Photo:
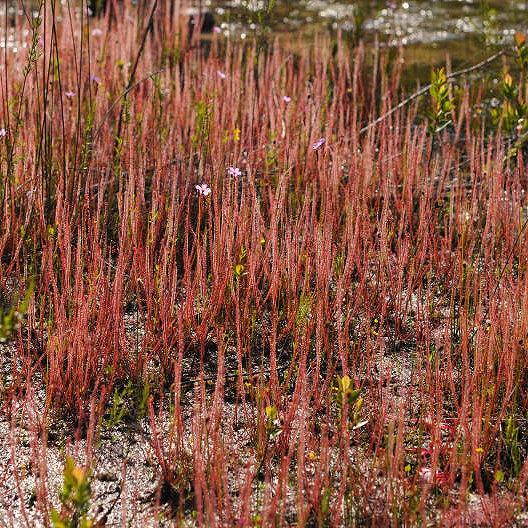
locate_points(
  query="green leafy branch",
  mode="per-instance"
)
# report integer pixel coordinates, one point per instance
(346, 396)
(75, 498)
(439, 114)
(11, 321)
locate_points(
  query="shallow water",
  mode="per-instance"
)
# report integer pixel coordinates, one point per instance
(468, 30)
(429, 30)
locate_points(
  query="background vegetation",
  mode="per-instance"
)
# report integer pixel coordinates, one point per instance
(302, 294)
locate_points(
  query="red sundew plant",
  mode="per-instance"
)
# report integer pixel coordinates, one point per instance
(309, 308)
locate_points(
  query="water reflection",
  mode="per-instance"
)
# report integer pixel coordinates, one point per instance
(461, 27)
(466, 29)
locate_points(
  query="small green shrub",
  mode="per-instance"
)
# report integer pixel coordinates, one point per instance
(75, 498)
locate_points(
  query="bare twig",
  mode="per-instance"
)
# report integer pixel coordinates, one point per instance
(124, 94)
(425, 89)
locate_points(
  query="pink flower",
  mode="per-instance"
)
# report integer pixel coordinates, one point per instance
(426, 474)
(88, 11)
(220, 74)
(286, 99)
(96, 32)
(440, 478)
(203, 189)
(69, 94)
(235, 172)
(216, 29)
(95, 79)
(3, 132)
(444, 426)
(318, 143)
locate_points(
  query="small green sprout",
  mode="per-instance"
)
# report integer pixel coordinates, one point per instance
(240, 263)
(273, 425)
(511, 439)
(514, 111)
(522, 49)
(11, 321)
(75, 498)
(346, 395)
(442, 105)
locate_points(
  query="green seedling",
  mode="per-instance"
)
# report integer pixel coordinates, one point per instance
(273, 425)
(273, 150)
(349, 397)
(240, 265)
(511, 439)
(204, 117)
(119, 406)
(75, 498)
(338, 265)
(306, 304)
(522, 49)
(11, 321)
(439, 114)
(513, 111)
(272, 430)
